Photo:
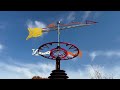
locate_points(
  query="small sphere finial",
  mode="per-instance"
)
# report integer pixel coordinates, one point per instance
(58, 22)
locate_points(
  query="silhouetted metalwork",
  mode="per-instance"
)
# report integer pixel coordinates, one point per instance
(61, 50)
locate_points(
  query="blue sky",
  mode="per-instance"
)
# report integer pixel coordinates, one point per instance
(100, 43)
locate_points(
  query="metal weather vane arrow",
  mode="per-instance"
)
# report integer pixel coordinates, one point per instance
(36, 32)
(53, 27)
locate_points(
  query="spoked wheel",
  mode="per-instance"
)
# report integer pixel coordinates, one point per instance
(65, 51)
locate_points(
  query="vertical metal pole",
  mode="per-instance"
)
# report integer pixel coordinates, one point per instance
(58, 33)
(57, 63)
(58, 58)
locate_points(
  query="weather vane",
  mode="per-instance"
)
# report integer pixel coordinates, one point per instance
(58, 51)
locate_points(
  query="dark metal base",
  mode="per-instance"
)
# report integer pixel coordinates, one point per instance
(58, 74)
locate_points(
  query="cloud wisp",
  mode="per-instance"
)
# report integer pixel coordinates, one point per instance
(95, 72)
(91, 14)
(86, 15)
(1, 46)
(94, 54)
(25, 71)
(33, 24)
(71, 17)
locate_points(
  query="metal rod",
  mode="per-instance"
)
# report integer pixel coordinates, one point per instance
(58, 33)
(58, 59)
(66, 28)
(57, 63)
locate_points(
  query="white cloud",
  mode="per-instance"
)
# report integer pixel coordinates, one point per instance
(88, 73)
(36, 23)
(40, 24)
(1, 46)
(109, 54)
(27, 71)
(106, 73)
(86, 15)
(93, 55)
(77, 74)
(19, 70)
(95, 72)
(71, 16)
